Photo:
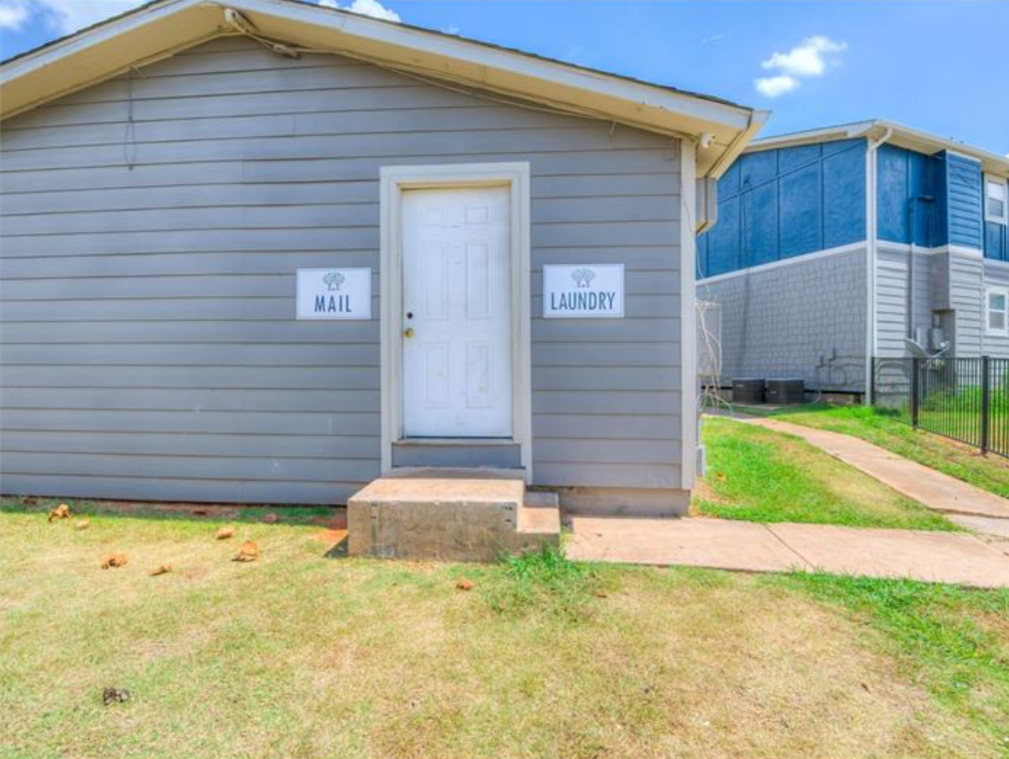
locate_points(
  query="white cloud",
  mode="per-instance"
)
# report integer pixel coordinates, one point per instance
(13, 14)
(773, 86)
(809, 59)
(67, 16)
(713, 38)
(372, 8)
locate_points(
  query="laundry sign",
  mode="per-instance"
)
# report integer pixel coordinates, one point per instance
(334, 294)
(590, 291)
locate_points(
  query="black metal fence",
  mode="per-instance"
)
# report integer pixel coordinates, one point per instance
(963, 399)
(966, 399)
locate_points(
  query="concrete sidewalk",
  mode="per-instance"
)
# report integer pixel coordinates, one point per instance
(748, 547)
(927, 486)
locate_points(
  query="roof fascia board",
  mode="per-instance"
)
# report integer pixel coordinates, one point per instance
(521, 64)
(903, 136)
(374, 31)
(738, 146)
(88, 38)
(162, 28)
(137, 39)
(812, 136)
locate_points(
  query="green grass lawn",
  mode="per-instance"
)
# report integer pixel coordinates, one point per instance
(989, 472)
(759, 475)
(299, 655)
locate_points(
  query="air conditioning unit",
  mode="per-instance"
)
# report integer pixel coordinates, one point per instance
(747, 390)
(783, 392)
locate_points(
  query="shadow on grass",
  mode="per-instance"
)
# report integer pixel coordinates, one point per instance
(849, 411)
(191, 512)
(337, 550)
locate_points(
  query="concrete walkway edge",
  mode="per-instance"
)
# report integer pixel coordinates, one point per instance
(749, 547)
(930, 488)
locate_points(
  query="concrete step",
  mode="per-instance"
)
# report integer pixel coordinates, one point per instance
(540, 514)
(451, 514)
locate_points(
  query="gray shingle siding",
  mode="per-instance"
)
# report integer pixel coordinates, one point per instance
(149, 342)
(802, 319)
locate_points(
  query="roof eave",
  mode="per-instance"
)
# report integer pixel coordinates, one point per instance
(163, 28)
(901, 135)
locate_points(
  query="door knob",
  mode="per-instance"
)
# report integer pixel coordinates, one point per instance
(408, 332)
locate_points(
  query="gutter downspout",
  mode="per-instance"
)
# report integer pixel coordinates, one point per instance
(870, 251)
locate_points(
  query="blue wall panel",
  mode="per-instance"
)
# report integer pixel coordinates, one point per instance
(996, 244)
(723, 239)
(777, 204)
(892, 193)
(839, 146)
(844, 194)
(758, 168)
(921, 170)
(760, 225)
(911, 181)
(940, 221)
(702, 256)
(728, 185)
(964, 212)
(801, 211)
(801, 155)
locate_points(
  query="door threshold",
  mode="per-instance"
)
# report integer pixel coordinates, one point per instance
(455, 473)
(456, 441)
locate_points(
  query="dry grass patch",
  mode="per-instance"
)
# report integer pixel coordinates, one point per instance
(301, 656)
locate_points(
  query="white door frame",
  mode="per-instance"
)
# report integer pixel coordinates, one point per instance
(396, 179)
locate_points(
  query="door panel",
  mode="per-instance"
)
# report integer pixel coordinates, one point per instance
(457, 363)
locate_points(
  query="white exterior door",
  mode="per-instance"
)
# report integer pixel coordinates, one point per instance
(456, 320)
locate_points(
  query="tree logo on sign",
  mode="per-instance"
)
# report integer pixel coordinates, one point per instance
(333, 280)
(583, 277)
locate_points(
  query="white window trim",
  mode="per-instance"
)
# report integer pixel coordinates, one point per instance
(395, 179)
(1004, 219)
(1004, 292)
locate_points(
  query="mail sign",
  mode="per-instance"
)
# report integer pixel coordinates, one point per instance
(334, 293)
(583, 292)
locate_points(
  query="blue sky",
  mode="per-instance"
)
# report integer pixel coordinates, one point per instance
(941, 66)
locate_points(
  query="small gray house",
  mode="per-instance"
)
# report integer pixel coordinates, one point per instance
(867, 239)
(266, 251)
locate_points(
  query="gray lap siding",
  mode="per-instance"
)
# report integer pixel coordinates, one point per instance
(149, 347)
(996, 274)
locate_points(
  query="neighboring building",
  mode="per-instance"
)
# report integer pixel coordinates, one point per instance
(819, 235)
(171, 178)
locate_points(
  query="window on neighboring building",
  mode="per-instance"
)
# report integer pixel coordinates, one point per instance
(997, 311)
(995, 200)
